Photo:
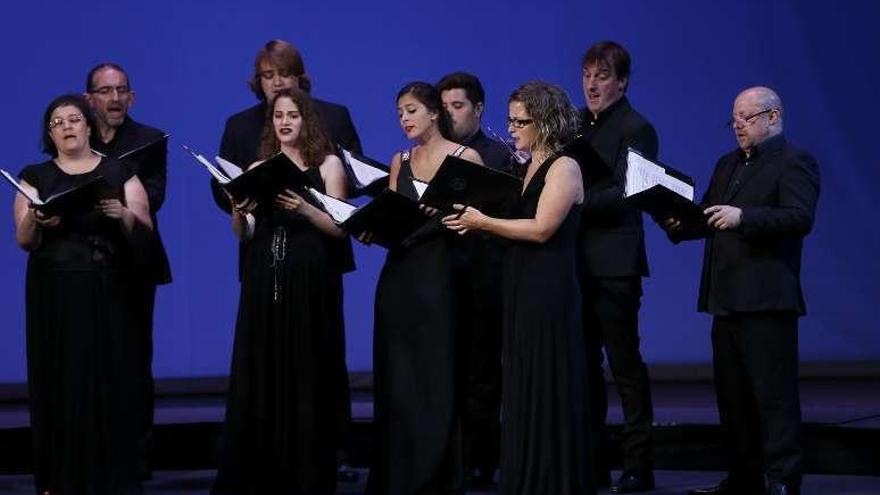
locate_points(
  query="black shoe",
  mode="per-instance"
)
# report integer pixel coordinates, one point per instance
(782, 489)
(480, 479)
(724, 488)
(346, 474)
(634, 481)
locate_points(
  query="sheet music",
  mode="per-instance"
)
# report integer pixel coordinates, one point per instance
(364, 173)
(143, 146)
(338, 209)
(642, 174)
(420, 187)
(230, 169)
(31, 197)
(217, 174)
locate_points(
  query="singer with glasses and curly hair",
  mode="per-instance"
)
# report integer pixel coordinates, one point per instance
(545, 429)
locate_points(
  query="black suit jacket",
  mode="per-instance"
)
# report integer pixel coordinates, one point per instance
(756, 267)
(612, 242)
(151, 166)
(241, 137)
(493, 153)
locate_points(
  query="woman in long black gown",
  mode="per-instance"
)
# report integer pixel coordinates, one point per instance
(288, 392)
(82, 380)
(417, 431)
(544, 434)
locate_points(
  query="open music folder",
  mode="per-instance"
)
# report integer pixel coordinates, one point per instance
(660, 190)
(76, 200)
(261, 183)
(391, 217)
(461, 181)
(143, 149)
(365, 175)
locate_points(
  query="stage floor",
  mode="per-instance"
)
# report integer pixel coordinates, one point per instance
(854, 403)
(841, 438)
(668, 483)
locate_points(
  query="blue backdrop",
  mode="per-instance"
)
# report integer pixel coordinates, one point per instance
(189, 61)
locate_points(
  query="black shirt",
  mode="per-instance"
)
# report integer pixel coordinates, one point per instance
(150, 163)
(494, 154)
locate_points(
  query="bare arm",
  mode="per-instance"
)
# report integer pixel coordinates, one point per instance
(563, 188)
(336, 185)
(471, 155)
(136, 210)
(394, 172)
(28, 221)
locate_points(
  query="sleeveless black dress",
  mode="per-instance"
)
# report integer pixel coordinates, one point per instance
(288, 387)
(418, 439)
(83, 381)
(544, 430)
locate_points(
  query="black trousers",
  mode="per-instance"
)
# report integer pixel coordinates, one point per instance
(611, 321)
(756, 383)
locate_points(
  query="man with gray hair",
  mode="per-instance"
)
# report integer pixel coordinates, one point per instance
(760, 204)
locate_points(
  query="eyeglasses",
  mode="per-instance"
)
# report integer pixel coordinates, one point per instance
(746, 121)
(107, 90)
(519, 123)
(71, 119)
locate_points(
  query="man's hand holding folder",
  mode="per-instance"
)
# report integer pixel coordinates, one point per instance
(660, 190)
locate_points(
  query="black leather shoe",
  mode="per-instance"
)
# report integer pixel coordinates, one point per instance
(634, 481)
(480, 479)
(346, 474)
(724, 488)
(782, 489)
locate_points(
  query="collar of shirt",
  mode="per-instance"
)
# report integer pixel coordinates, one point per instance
(766, 146)
(595, 121)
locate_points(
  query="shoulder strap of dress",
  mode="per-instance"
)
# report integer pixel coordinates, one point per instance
(458, 151)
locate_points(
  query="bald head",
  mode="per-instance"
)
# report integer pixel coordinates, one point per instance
(757, 116)
(763, 96)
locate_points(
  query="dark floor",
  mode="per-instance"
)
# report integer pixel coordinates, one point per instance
(851, 408)
(668, 483)
(853, 403)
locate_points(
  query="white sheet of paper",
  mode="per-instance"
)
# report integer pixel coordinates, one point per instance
(216, 173)
(338, 209)
(31, 197)
(642, 174)
(230, 169)
(364, 173)
(420, 187)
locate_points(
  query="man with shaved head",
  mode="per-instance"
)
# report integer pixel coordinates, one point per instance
(760, 204)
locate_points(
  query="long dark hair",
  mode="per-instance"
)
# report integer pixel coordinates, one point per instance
(428, 95)
(313, 144)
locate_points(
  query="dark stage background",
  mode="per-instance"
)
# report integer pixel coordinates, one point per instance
(188, 62)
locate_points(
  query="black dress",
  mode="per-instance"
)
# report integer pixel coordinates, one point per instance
(288, 386)
(418, 439)
(544, 430)
(82, 376)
